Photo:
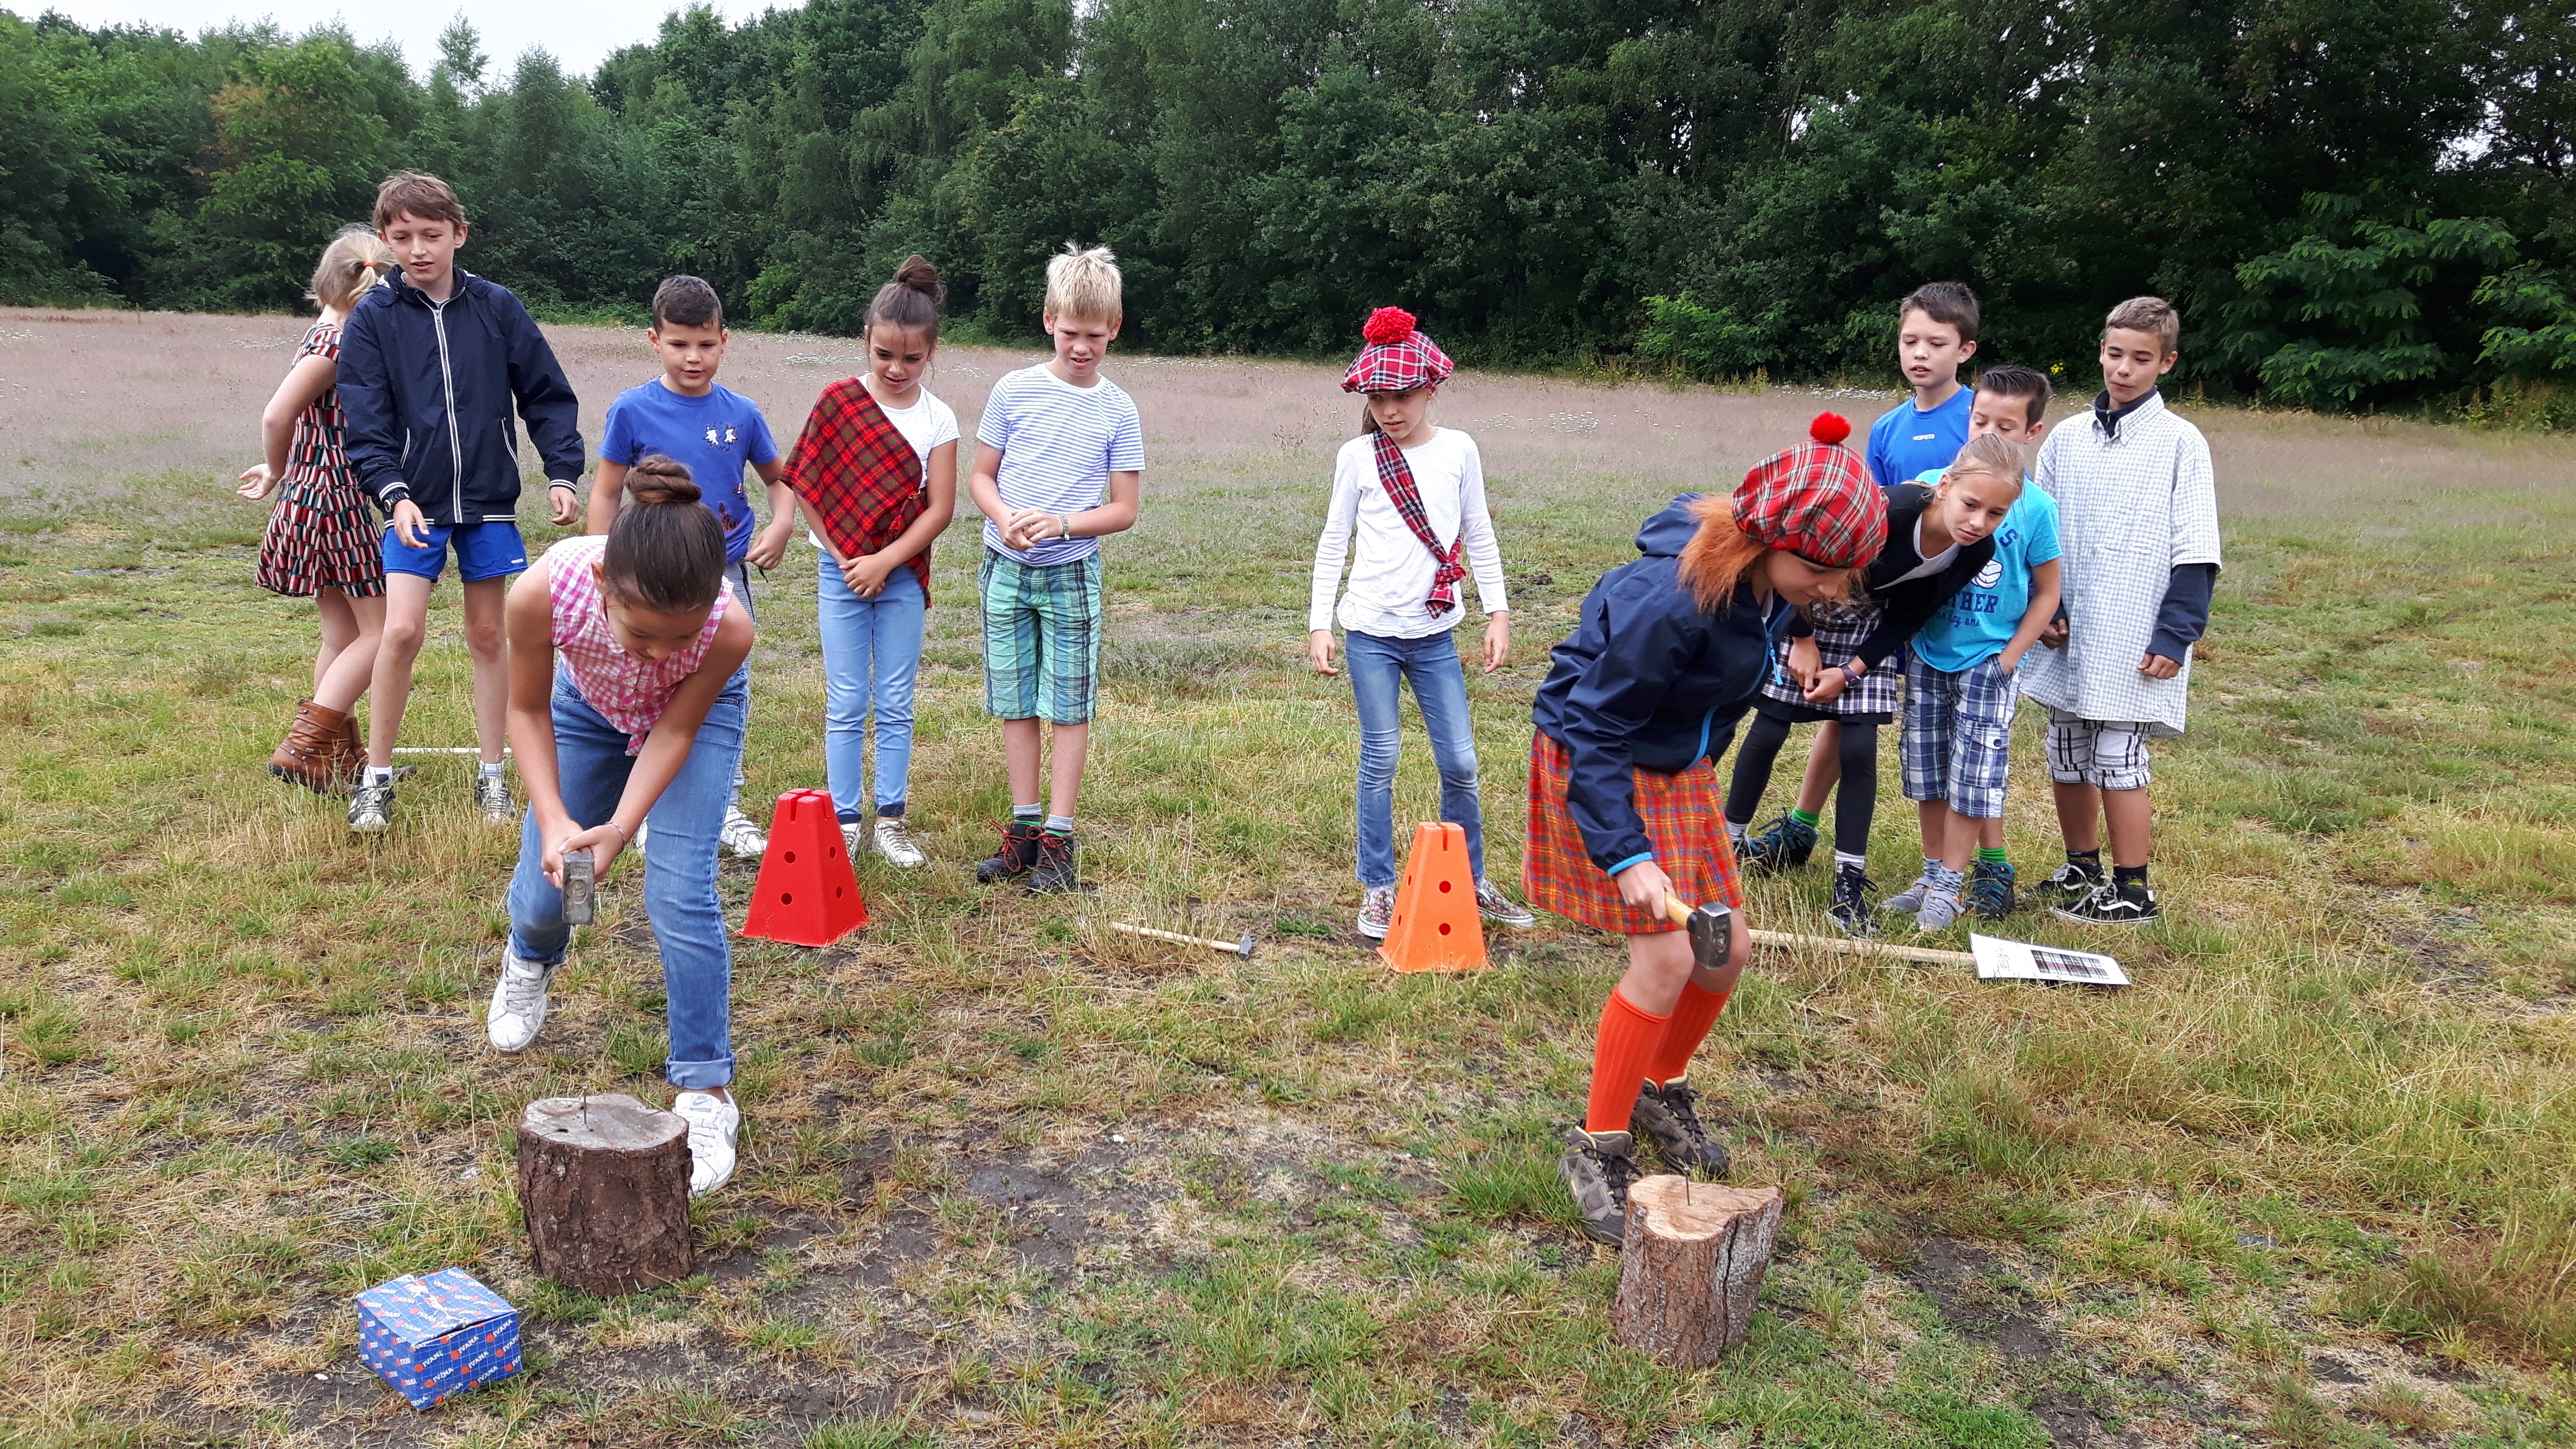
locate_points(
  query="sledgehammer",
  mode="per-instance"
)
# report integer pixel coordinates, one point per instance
(1711, 928)
(1242, 948)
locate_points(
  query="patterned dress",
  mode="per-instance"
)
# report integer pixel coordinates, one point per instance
(323, 534)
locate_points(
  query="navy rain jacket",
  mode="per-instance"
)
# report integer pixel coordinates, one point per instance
(428, 391)
(1648, 679)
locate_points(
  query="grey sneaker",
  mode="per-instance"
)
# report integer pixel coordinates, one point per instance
(894, 842)
(1597, 1168)
(1669, 1117)
(741, 836)
(1939, 912)
(1909, 900)
(1501, 909)
(371, 807)
(1377, 912)
(492, 798)
(518, 1003)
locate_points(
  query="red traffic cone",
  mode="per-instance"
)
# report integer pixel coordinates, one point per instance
(1436, 926)
(807, 895)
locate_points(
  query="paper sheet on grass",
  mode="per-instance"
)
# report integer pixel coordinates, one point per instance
(2002, 960)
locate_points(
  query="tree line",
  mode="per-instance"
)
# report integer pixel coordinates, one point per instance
(2357, 206)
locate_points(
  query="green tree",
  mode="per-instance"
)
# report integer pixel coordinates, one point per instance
(298, 150)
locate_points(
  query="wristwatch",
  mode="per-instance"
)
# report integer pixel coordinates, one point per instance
(1850, 675)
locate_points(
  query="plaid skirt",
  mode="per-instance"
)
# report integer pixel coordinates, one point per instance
(322, 536)
(1839, 634)
(1683, 821)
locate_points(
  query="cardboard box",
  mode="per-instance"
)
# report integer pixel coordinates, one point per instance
(433, 1338)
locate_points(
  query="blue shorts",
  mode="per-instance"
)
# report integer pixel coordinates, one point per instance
(1957, 742)
(483, 551)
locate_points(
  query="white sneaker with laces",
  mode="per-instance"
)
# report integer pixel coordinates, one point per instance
(518, 1003)
(740, 835)
(715, 1130)
(492, 798)
(1377, 912)
(894, 842)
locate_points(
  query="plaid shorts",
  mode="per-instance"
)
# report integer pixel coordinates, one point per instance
(1680, 811)
(1839, 632)
(2106, 754)
(1041, 638)
(1957, 742)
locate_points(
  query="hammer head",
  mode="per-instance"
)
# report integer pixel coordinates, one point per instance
(1244, 949)
(1712, 929)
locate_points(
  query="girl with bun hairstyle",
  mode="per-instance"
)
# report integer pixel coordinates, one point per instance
(627, 700)
(1623, 797)
(875, 472)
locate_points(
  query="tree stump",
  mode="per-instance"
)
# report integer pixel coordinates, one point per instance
(1690, 1266)
(604, 1187)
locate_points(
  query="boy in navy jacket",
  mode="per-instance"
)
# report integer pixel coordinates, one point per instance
(430, 367)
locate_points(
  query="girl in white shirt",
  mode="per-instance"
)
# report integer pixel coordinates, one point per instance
(1416, 495)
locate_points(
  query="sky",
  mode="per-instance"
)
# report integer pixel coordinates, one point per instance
(579, 33)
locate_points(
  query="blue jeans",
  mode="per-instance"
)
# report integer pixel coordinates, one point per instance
(740, 573)
(871, 657)
(680, 897)
(1440, 688)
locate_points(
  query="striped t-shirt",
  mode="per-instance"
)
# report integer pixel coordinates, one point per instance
(1059, 445)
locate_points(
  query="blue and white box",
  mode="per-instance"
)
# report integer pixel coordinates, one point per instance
(433, 1338)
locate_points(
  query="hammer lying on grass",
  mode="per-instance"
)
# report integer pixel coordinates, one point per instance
(1711, 925)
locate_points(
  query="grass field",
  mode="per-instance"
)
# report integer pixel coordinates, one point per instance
(1010, 1179)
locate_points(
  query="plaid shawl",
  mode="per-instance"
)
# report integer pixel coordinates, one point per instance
(858, 475)
(1407, 498)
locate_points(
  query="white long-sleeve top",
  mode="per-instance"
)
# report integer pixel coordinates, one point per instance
(1390, 588)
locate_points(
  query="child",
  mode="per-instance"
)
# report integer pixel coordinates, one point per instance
(877, 469)
(711, 430)
(1936, 330)
(1957, 747)
(1050, 437)
(1622, 798)
(321, 540)
(642, 720)
(1417, 494)
(2137, 505)
(1840, 663)
(429, 370)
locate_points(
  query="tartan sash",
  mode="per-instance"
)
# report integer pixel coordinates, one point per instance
(1397, 479)
(858, 475)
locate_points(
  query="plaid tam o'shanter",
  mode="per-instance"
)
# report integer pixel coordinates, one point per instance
(858, 474)
(1399, 357)
(1815, 500)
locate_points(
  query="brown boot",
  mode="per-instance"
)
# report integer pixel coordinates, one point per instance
(312, 753)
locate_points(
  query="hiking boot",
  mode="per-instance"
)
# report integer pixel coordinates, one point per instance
(1377, 912)
(518, 1003)
(1909, 900)
(371, 806)
(1055, 870)
(1597, 1168)
(1018, 853)
(1783, 844)
(2070, 883)
(492, 798)
(314, 752)
(715, 1138)
(1990, 889)
(894, 842)
(741, 836)
(1669, 1117)
(1501, 909)
(1850, 908)
(2114, 904)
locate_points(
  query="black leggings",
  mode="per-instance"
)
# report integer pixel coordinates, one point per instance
(1855, 801)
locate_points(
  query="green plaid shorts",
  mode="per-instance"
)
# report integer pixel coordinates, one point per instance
(1041, 638)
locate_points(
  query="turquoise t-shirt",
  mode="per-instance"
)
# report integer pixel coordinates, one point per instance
(1979, 620)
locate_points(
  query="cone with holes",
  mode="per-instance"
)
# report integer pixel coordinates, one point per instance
(1436, 927)
(807, 895)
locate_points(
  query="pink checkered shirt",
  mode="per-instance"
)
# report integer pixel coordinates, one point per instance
(628, 692)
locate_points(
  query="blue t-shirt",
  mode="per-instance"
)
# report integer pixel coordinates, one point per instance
(1904, 442)
(1979, 620)
(1059, 445)
(712, 436)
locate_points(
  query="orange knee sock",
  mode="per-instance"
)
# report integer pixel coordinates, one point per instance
(1692, 1016)
(1620, 1056)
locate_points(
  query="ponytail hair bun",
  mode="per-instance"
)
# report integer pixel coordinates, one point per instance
(912, 300)
(665, 552)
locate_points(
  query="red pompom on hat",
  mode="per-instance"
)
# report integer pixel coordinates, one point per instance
(1399, 357)
(1815, 500)
(1387, 325)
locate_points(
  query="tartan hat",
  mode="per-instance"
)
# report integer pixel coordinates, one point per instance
(1815, 500)
(1399, 357)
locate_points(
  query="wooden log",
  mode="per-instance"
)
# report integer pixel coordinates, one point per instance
(1690, 1267)
(604, 1188)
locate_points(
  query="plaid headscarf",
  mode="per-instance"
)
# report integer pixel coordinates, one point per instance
(859, 475)
(1815, 500)
(1394, 475)
(1398, 357)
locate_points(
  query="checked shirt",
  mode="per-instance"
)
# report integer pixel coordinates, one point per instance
(859, 474)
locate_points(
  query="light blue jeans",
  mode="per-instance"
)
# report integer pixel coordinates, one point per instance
(680, 897)
(1376, 666)
(740, 572)
(871, 658)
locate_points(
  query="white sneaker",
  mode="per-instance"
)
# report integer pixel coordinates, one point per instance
(715, 1126)
(740, 835)
(518, 1003)
(492, 798)
(894, 842)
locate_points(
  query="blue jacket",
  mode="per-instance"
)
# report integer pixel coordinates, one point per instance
(428, 391)
(1650, 680)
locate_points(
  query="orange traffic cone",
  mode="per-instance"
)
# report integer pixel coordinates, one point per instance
(1436, 926)
(807, 895)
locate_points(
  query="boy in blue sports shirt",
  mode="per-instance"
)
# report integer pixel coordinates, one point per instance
(431, 365)
(684, 415)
